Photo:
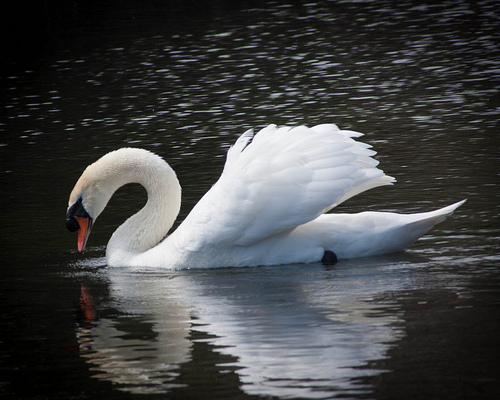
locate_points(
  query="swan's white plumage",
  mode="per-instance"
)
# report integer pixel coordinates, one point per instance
(284, 178)
(266, 208)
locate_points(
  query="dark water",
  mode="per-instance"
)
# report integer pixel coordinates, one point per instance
(420, 80)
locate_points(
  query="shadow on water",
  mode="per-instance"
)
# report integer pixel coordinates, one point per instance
(183, 80)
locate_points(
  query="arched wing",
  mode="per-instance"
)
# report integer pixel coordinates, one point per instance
(279, 179)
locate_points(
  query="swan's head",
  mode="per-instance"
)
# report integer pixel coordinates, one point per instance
(79, 220)
(90, 196)
(102, 178)
(84, 208)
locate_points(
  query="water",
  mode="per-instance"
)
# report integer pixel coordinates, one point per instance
(420, 80)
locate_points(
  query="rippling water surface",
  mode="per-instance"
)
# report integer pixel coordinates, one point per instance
(421, 80)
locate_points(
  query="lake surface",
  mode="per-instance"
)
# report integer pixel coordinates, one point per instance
(421, 80)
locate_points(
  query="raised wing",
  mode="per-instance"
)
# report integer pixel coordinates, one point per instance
(279, 179)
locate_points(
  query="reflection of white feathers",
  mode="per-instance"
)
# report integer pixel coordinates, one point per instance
(290, 333)
(306, 339)
(140, 365)
(267, 207)
(143, 347)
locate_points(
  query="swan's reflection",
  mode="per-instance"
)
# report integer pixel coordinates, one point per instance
(142, 346)
(288, 331)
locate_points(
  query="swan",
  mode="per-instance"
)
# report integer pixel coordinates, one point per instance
(267, 208)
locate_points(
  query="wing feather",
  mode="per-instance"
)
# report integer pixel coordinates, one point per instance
(279, 179)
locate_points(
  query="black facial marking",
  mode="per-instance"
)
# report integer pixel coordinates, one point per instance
(76, 210)
(71, 224)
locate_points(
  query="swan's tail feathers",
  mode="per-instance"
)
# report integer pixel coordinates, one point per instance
(441, 214)
(423, 222)
(447, 211)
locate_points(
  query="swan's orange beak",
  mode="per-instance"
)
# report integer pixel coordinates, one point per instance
(84, 231)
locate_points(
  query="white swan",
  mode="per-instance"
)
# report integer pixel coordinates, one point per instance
(267, 207)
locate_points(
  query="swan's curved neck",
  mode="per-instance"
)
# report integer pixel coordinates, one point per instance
(150, 225)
